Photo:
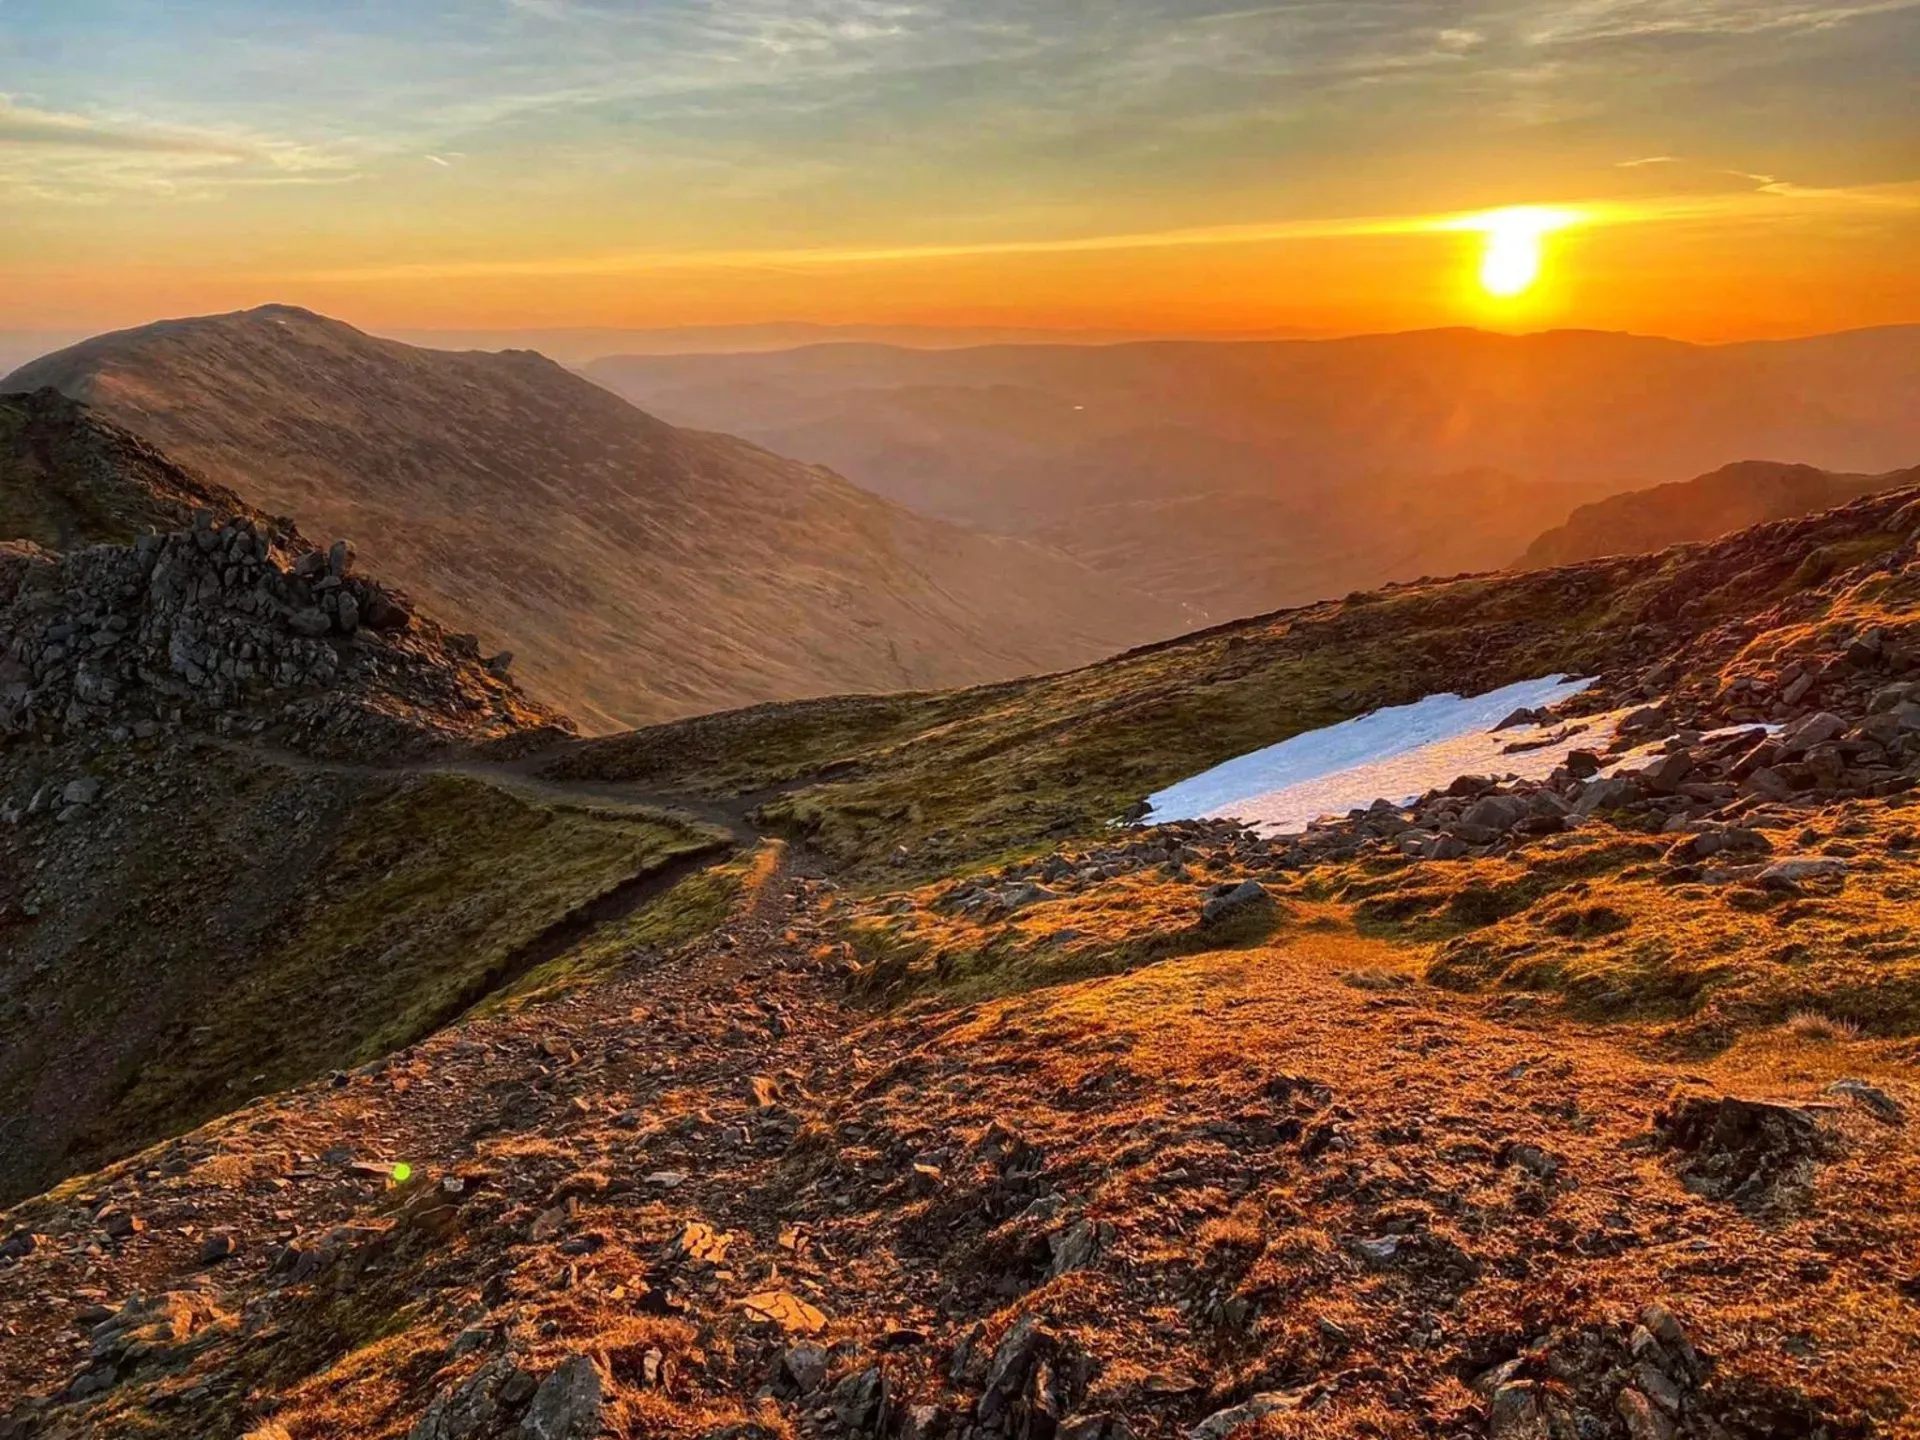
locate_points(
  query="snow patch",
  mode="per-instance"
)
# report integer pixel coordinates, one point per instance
(1395, 754)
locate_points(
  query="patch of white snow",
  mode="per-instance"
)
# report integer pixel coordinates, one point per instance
(1395, 754)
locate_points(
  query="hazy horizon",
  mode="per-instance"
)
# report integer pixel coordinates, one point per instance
(582, 344)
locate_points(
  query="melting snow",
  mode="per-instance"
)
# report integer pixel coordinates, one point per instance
(1395, 754)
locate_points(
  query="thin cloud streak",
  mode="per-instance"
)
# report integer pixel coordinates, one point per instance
(1750, 204)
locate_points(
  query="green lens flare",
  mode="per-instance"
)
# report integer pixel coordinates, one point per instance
(402, 1173)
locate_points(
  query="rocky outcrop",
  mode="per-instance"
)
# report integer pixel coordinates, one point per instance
(235, 627)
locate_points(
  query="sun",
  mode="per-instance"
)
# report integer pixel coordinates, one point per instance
(1512, 261)
(1514, 251)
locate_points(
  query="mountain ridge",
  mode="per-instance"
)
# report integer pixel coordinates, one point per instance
(1240, 476)
(1734, 497)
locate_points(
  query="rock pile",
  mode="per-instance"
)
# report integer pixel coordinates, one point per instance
(229, 626)
(1704, 788)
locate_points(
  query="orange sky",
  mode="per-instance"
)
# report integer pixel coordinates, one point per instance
(1727, 170)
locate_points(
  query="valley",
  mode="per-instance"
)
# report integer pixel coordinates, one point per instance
(1242, 476)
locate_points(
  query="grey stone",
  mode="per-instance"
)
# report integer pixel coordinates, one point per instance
(1074, 1248)
(1796, 869)
(806, 1367)
(1514, 1413)
(1230, 900)
(1497, 812)
(1871, 1098)
(1608, 794)
(569, 1403)
(1026, 1342)
(1223, 1423)
(1815, 729)
(1643, 1422)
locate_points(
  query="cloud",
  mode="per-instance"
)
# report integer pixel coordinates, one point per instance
(1596, 20)
(1646, 160)
(23, 126)
(58, 156)
(1771, 202)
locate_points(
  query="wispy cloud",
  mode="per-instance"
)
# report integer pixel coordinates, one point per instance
(1589, 20)
(23, 126)
(54, 155)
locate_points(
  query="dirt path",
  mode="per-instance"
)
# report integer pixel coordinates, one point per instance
(1220, 1176)
(521, 777)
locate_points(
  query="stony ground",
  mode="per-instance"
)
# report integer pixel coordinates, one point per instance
(1283, 1184)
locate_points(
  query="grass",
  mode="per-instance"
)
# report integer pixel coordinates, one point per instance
(909, 944)
(85, 503)
(1812, 1026)
(697, 905)
(962, 779)
(1604, 928)
(412, 916)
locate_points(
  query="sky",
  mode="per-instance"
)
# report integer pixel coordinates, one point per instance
(1712, 169)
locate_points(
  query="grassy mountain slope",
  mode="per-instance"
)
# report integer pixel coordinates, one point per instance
(195, 902)
(67, 482)
(637, 570)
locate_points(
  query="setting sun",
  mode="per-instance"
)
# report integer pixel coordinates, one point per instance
(1511, 261)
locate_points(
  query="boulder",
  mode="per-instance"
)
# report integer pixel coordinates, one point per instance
(1229, 901)
(1223, 1423)
(1815, 729)
(570, 1403)
(1497, 813)
(1795, 870)
(312, 622)
(1612, 793)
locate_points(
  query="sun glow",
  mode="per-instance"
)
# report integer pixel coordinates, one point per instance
(1511, 261)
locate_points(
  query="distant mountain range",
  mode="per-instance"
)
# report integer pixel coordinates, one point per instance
(1013, 508)
(580, 344)
(640, 571)
(1240, 476)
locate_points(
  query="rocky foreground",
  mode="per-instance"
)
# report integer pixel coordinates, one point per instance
(1286, 1186)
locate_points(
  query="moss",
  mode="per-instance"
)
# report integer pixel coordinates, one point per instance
(1011, 769)
(1829, 560)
